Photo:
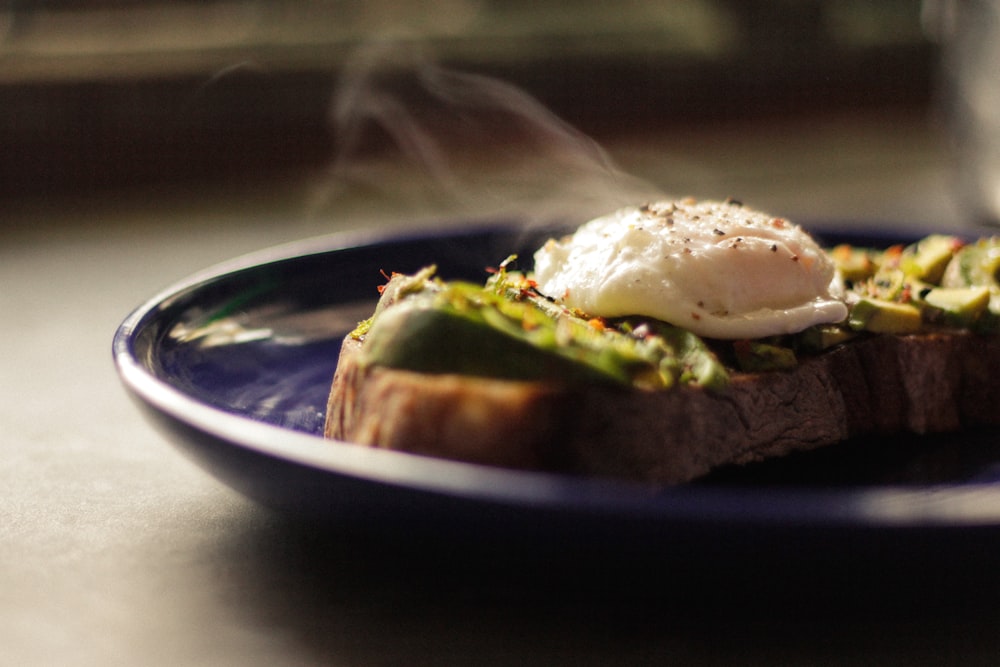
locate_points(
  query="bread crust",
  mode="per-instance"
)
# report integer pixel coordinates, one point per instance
(880, 384)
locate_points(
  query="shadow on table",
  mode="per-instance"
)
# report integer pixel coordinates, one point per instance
(413, 595)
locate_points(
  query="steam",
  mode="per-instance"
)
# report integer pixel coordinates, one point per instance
(464, 142)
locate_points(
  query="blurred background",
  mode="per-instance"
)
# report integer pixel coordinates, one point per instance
(814, 108)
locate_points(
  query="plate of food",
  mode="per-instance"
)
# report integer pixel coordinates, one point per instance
(675, 375)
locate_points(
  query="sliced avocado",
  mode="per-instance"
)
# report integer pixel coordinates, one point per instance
(413, 336)
(926, 259)
(955, 306)
(881, 316)
(824, 336)
(975, 264)
(887, 284)
(893, 284)
(756, 356)
(506, 333)
(855, 264)
(688, 358)
(978, 265)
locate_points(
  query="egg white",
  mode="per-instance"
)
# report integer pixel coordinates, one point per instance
(718, 269)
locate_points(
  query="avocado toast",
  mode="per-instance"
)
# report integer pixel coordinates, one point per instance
(501, 373)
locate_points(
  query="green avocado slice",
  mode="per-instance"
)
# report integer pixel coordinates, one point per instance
(413, 336)
(927, 259)
(978, 265)
(505, 331)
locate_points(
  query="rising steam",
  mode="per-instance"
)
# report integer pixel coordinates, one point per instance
(465, 143)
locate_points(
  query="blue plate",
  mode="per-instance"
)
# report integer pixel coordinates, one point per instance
(234, 365)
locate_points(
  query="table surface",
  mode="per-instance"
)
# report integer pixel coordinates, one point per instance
(116, 550)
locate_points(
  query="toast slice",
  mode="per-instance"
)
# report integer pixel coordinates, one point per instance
(885, 384)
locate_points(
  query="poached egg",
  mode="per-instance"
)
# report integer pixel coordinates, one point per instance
(717, 269)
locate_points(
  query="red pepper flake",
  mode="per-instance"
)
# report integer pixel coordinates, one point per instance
(795, 258)
(387, 276)
(695, 316)
(597, 323)
(778, 223)
(892, 255)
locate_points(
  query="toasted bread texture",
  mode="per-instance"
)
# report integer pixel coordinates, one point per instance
(879, 384)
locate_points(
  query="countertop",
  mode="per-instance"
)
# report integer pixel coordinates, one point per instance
(116, 550)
